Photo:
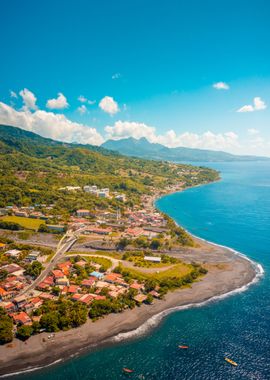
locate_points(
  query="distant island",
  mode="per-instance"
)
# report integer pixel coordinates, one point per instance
(85, 254)
(144, 149)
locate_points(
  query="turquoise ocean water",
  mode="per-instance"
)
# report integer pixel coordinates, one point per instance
(234, 212)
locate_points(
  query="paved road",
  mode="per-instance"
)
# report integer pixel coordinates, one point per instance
(63, 246)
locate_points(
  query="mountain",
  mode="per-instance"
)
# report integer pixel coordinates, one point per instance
(144, 149)
(34, 168)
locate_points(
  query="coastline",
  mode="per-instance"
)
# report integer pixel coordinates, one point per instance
(228, 272)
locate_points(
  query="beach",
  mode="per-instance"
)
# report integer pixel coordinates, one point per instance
(227, 271)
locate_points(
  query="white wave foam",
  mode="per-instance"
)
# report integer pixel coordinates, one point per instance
(156, 319)
(30, 369)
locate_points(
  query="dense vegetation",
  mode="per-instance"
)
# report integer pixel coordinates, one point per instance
(32, 169)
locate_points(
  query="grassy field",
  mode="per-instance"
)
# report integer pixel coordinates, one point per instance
(178, 270)
(31, 224)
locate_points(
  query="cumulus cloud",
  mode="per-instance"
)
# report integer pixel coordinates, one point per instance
(29, 99)
(221, 86)
(49, 124)
(253, 132)
(207, 140)
(82, 109)
(258, 105)
(109, 105)
(116, 76)
(13, 94)
(83, 99)
(57, 104)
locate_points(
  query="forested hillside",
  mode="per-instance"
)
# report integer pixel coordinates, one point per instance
(32, 169)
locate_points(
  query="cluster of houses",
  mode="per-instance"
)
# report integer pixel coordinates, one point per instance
(13, 279)
(94, 190)
(27, 211)
(97, 286)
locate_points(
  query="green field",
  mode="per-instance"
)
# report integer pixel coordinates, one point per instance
(178, 271)
(31, 224)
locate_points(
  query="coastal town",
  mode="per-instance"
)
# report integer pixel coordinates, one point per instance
(94, 275)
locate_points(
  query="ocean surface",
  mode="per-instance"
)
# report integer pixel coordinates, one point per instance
(234, 212)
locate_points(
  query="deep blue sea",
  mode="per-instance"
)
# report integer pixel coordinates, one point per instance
(233, 212)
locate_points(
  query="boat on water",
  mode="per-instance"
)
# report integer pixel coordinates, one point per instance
(183, 347)
(127, 370)
(231, 362)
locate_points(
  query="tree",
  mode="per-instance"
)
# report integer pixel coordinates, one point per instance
(34, 269)
(3, 274)
(149, 299)
(122, 244)
(24, 332)
(155, 244)
(6, 327)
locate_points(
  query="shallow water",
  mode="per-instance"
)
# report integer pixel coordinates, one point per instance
(234, 212)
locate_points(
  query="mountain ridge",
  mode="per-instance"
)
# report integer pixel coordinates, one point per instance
(144, 149)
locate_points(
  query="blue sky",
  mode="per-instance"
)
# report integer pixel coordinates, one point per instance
(142, 68)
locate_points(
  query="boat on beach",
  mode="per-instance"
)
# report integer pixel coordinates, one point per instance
(230, 361)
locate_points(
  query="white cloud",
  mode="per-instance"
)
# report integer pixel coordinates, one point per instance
(83, 99)
(221, 86)
(82, 109)
(29, 99)
(109, 105)
(59, 103)
(13, 94)
(208, 140)
(116, 76)
(253, 132)
(49, 124)
(258, 105)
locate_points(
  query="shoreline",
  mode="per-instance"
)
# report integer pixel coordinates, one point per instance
(229, 272)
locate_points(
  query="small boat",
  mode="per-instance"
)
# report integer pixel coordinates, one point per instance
(127, 370)
(183, 347)
(231, 362)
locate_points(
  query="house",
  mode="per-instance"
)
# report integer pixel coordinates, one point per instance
(86, 298)
(13, 253)
(19, 301)
(23, 214)
(137, 286)
(56, 227)
(72, 289)
(12, 268)
(21, 318)
(42, 286)
(8, 306)
(140, 298)
(3, 294)
(154, 293)
(83, 213)
(62, 281)
(49, 280)
(57, 274)
(121, 197)
(88, 283)
(98, 275)
(33, 256)
(134, 232)
(153, 259)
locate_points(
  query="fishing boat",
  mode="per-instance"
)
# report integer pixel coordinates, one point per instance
(183, 347)
(127, 370)
(231, 362)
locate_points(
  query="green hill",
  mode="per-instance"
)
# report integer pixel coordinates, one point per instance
(33, 168)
